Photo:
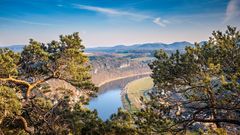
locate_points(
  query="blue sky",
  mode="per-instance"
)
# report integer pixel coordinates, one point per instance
(115, 22)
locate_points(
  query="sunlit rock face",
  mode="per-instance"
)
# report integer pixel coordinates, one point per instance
(111, 67)
(56, 89)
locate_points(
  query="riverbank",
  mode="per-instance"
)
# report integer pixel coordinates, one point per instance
(133, 91)
(123, 77)
(109, 97)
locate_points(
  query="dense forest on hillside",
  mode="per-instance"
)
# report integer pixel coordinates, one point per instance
(196, 91)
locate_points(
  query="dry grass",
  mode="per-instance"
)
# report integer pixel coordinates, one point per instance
(134, 90)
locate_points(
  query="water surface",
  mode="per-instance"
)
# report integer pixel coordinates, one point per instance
(107, 103)
(109, 97)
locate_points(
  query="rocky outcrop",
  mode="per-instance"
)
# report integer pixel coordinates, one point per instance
(106, 69)
(55, 89)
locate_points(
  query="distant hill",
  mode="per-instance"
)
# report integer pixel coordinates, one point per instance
(15, 48)
(142, 47)
(137, 48)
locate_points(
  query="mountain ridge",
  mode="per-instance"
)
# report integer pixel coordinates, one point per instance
(15, 48)
(142, 47)
(180, 45)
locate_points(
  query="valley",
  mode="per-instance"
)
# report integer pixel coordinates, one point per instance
(121, 73)
(118, 62)
(121, 61)
(122, 67)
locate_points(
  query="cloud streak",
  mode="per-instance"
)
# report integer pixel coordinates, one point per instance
(114, 12)
(160, 22)
(233, 10)
(25, 21)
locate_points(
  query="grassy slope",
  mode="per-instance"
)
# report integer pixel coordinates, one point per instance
(134, 90)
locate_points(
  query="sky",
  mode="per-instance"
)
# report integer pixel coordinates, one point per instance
(115, 22)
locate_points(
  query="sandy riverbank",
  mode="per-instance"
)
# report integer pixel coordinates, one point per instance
(118, 78)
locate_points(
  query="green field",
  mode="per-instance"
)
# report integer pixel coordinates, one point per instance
(134, 90)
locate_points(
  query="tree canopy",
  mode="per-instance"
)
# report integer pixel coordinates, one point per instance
(194, 91)
(197, 89)
(23, 77)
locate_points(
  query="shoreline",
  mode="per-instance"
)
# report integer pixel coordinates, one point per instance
(127, 100)
(119, 78)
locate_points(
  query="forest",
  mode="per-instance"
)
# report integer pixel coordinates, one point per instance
(196, 91)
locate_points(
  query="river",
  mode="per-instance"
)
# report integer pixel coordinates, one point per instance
(109, 97)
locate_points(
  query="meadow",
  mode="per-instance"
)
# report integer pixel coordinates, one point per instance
(134, 90)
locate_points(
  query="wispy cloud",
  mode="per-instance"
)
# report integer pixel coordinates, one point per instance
(113, 12)
(160, 22)
(233, 10)
(25, 21)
